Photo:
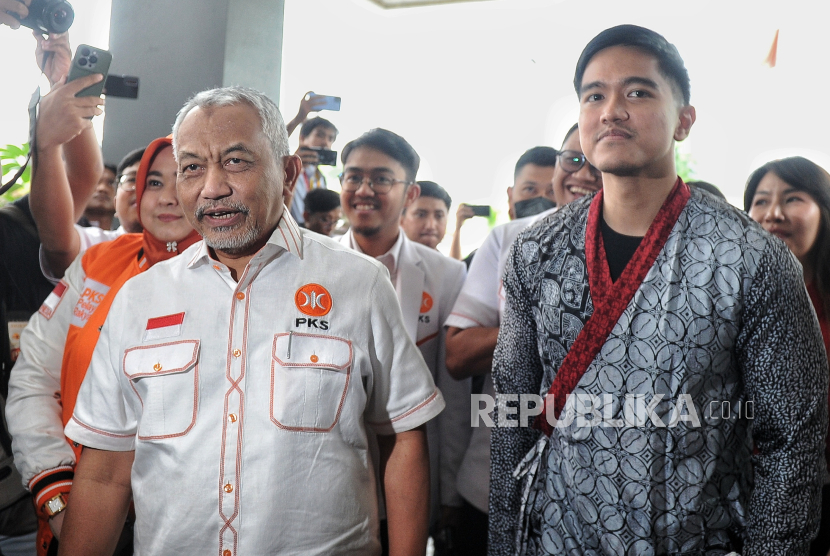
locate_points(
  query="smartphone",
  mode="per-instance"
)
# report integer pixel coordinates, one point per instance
(89, 60)
(480, 210)
(124, 86)
(331, 103)
(326, 157)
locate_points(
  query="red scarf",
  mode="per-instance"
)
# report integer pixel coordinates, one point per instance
(609, 298)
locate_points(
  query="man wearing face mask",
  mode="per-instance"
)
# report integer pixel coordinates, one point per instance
(531, 180)
(473, 327)
(531, 192)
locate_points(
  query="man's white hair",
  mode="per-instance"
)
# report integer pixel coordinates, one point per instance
(269, 115)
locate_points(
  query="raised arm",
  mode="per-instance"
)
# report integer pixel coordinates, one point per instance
(463, 213)
(307, 105)
(64, 129)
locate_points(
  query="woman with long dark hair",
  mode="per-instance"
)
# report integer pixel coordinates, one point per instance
(790, 198)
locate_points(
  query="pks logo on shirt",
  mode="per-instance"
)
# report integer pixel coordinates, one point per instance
(93, 295)
(167, 326)
(313, 300)
(53, 300)
(426, 302)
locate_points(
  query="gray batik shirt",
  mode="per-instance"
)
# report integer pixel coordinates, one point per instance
(721, 319)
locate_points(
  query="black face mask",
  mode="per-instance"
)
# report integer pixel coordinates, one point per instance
(532, 207)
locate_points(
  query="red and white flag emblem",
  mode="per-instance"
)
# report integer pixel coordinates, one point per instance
(53, 300)
(164, 327)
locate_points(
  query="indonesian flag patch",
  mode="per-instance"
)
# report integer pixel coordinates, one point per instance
(163, 327)
(53, 300)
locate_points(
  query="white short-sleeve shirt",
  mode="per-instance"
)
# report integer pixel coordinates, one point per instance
(247, 404)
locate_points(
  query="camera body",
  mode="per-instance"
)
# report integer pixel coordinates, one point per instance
(49, 16)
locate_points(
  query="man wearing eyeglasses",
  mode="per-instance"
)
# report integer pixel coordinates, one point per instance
(378, 182)
(473, 327)
(125, 201)
(683, 368)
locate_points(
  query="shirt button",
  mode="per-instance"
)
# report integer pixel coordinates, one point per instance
(240, 296)
(237, 352)
(228, 488)
(232, 417)
(226, 552)
(217, 267)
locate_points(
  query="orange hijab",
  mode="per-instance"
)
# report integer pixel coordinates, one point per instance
(113, 263)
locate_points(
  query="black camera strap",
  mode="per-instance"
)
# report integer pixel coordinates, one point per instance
(33, 102)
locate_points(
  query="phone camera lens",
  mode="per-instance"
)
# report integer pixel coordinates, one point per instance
(82, 62)
(85, 52)
(93, 59)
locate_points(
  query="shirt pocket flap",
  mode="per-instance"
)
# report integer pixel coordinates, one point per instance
(161, 359)
(311, 350)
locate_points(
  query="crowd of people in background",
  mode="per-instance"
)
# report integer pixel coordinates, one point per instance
(364, 365)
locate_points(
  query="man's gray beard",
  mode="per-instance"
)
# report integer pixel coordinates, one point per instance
(236, 243)
(230, 244)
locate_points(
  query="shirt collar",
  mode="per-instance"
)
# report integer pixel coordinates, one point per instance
(286, 237)
(390, 258)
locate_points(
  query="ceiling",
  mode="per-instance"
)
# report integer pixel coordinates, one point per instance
(387, 4)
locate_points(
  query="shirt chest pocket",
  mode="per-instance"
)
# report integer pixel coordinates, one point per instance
(309, 380)
(166, 379)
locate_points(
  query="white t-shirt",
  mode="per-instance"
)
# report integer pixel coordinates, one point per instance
(248, 404)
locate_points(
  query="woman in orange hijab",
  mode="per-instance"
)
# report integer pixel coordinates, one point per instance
(76, 309)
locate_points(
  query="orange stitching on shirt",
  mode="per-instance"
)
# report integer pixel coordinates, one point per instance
(425, 340)
(410, 412)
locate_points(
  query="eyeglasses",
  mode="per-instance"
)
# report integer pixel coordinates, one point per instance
(380, 184)
(572, 161)
(126, 182)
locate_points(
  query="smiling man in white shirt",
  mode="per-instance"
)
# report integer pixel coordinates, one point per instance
(378, 182)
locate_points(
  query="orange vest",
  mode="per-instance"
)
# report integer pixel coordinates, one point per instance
(111, 263)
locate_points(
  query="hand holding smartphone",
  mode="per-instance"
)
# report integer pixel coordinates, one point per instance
(87, 61)
(326, 157)
(325, 102)
(480, 210)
